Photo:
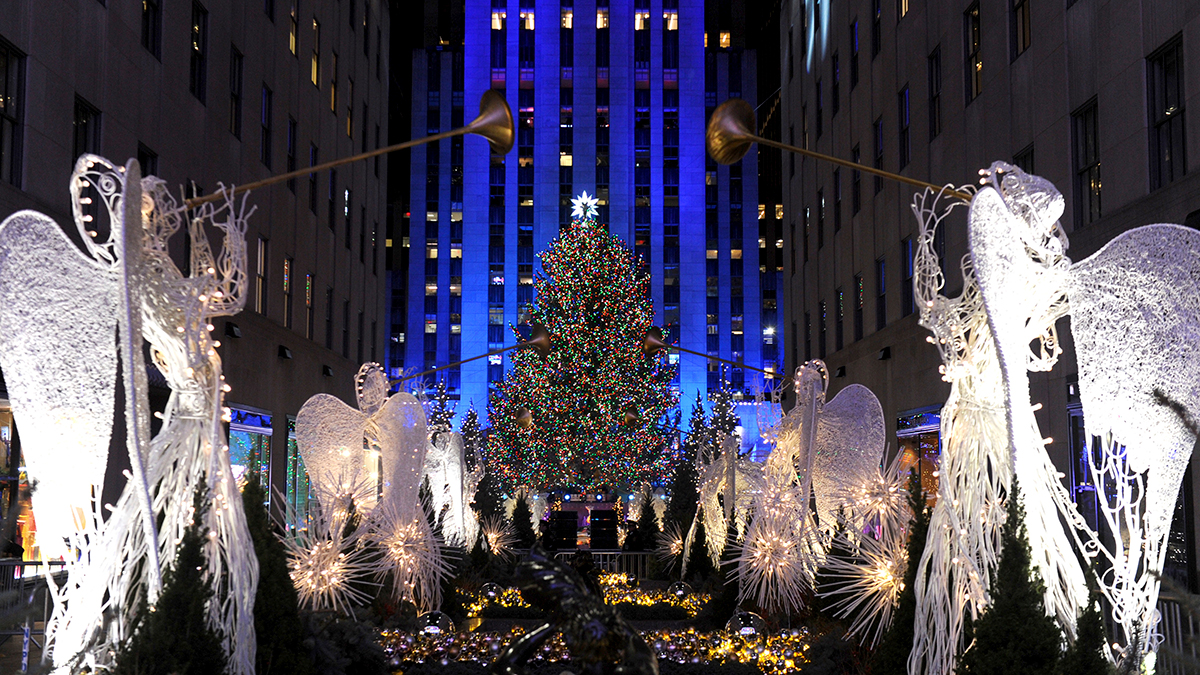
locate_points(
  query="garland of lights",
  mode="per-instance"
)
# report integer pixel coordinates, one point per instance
(593, 298)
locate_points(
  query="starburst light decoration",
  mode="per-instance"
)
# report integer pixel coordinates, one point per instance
(328, 562)
(583, 207)
(865, 588)
(499, 537)
(61, 307)
(669, 546)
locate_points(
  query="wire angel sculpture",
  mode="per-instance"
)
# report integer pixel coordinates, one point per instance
(453, 486)
(726, 485)
(384, 440)
(823, 449)
(62, 306)
(1135, 318)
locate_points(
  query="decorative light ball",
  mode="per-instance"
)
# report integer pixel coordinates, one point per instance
(437, 623)
(679, 589)
(491, 591)
(746, 623)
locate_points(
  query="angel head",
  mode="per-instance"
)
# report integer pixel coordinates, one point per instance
(1034, 201)
(811, 376)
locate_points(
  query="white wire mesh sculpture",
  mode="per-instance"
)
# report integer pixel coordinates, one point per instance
(975, 472)
(445, 468)
(823, 449)
(385, 440)
(128, 282)
(1135, 319)
(725, 492)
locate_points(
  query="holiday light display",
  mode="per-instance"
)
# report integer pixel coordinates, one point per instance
(499, 537)
(1134, 308)
(61, 309)
(452, 487)
(596, 398)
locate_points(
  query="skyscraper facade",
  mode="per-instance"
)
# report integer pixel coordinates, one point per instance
(610, 98)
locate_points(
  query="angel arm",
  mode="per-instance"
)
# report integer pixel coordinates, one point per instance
(227, 272)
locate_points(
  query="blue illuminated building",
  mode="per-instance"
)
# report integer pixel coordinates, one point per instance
(611, 98)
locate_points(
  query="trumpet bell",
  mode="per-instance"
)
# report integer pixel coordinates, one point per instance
(524, 418)
(539, 340)
(654, 341)
(730, 131)
(495, 122)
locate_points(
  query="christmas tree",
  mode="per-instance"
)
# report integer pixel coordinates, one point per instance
(891, 657)
(472, 435)
(1014, 635)
(596, 399)
(724, 420)
(439, 408)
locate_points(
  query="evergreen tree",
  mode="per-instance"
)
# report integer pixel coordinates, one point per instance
(699, 565)
(724, 420)
(645, 531)
(277, 625)
(472, 435)
(488, 500)
(699, 434)
(724, 580)
(681, 508)
(1014, 635)
(523, 523)
(891, 657)
(175, 638)
(596, 399)
(440, 407)
(1086, 655)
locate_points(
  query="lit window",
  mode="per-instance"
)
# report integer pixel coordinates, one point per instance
(762, 211)
(431, 216)
(671, 20)
(431, 252)
(456, 251)
(641, 20)
(568, 18)
(456, 216)
(779, 212)
(602, 17)
(706, 40)
(498, 20)
(565, 159)
(735, 254)
(724, 39)
(430, 289)
(527, 20)
(712, 254)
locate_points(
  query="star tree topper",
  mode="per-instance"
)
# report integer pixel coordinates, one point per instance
(584, 206)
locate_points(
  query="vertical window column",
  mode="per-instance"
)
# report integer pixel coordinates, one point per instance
(12, 106)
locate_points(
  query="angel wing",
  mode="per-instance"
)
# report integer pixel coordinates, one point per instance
(58, 320)
(849, 447)
(330, 436)
(444, 467)
(1135, 316)
(402, 442)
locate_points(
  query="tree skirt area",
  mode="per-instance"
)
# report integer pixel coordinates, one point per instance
(679, 653)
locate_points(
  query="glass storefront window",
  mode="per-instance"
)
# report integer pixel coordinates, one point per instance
(299, 489)
(250, 446)
(919, 439)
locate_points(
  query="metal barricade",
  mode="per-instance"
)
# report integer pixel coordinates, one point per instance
(24, 583)
(633, 563)
(1180, 631)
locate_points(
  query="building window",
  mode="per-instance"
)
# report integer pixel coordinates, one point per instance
(974, 50)
(346, 214)
(880, 295)
(12, 104)
(333, 80)
(876, 27)
(294, 28)
(308, 306)
(820, 110)
(901, 9)
(269, 9)
(198, 73)
(291, 152)
(1019, 21)
(87, 129)
(837, 199)
(820, 219)
(1023, 160)
(235, 92)
(906, 284)
(287, 292)
(838, 322)
(1087, 164)
(152, 27)
(904, 148)
(332, 197)
(350, 108)
(878, 152)
(792, 155)
(148, 160)
(855, 182)
(1164, 80)
(853, 54)
(807, 336)
(934, 66)
(315, 74)
(359, 351)
(250, 445)
(260, 278)
(837, 81)
(724, 40)
(859, 301)
(329, 317)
